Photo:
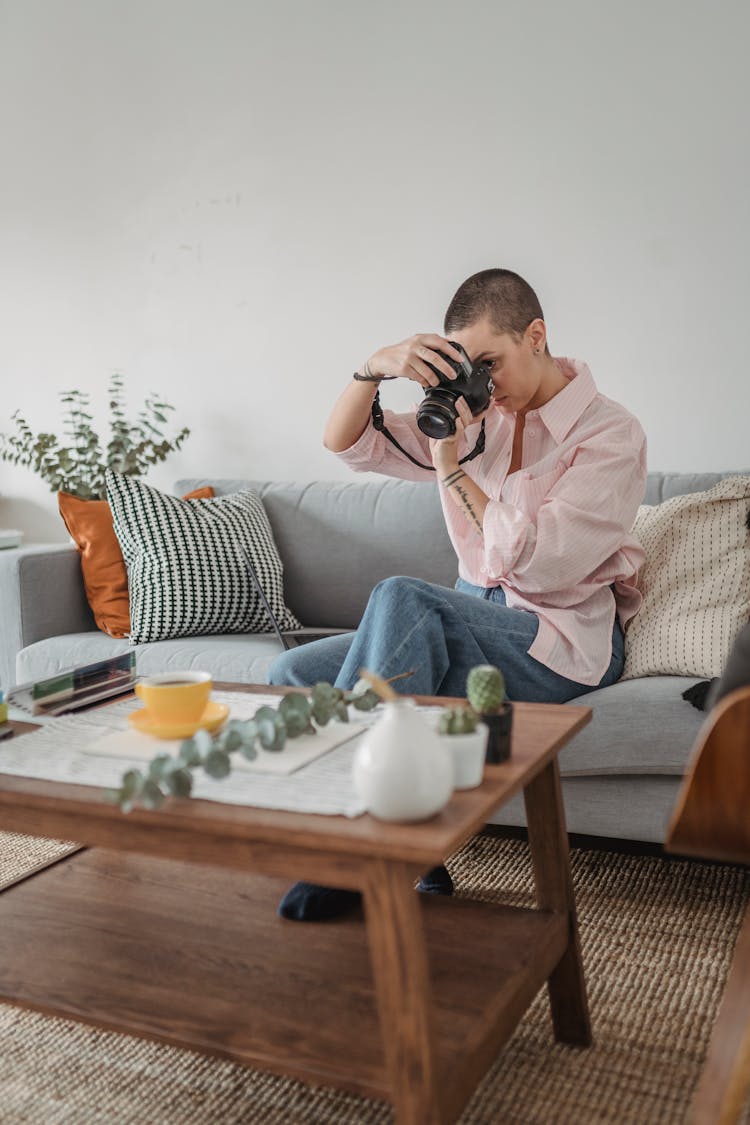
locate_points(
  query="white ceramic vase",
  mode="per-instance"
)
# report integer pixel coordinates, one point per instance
(402, 769)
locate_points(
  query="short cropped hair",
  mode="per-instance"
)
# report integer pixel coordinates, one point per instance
(504, 298)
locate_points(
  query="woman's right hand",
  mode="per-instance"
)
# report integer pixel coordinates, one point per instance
(409, 359)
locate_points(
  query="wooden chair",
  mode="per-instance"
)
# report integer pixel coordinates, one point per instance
(712, 820)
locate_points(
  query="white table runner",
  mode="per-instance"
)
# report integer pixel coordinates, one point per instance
(64, 749)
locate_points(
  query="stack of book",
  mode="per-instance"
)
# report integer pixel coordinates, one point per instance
(76, 687)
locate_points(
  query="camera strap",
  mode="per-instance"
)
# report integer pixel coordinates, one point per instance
(378, 422)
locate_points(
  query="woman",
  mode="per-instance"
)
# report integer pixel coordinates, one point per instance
(540, 521)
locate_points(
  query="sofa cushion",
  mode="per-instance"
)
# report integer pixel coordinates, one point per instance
(105, 577)
(187, 574)
(695, 582)
(638, 727)
(234, 657)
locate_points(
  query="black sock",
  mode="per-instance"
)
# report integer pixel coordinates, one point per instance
(307, 902)
(436, 882)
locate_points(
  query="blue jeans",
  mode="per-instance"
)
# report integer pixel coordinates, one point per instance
(438, 635)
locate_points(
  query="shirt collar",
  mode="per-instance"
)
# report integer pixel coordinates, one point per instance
(564, 409)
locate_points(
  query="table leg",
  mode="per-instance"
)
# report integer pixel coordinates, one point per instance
(724, 1083)
(397, 949)
(548, 840)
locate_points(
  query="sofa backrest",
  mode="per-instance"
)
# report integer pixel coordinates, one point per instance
(663, 486)
(338, 539)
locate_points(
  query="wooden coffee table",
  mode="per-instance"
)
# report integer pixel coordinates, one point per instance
(165, 926)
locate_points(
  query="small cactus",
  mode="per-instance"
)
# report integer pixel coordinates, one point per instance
(485, 688)
(458, 720)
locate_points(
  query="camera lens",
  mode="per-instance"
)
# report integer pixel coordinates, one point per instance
(436, 420)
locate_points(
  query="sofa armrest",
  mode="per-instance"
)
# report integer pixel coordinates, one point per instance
(41, 595)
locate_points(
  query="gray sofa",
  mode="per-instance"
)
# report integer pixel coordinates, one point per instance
(337, 540)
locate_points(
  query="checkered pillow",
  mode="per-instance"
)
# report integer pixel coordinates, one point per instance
(186, 572)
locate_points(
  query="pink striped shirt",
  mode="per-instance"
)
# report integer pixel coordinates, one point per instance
(556, 532)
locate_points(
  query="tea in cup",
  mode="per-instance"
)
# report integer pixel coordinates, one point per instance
(175, 696)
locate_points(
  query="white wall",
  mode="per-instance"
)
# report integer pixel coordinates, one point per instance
(234, 203)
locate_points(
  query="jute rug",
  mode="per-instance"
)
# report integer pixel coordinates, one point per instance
(657, 940)
(20, 856)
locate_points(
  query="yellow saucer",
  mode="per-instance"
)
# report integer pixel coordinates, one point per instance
(211, 719)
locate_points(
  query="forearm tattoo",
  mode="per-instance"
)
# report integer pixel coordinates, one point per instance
(453, 480)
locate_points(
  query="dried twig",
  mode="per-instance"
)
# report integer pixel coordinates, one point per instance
(380, 686)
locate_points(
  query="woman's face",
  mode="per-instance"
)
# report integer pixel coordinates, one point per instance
(516, 372)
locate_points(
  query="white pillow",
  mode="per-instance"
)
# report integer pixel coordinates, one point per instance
(187, 575)
(695, 582)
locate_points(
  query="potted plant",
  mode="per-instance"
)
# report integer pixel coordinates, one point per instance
(466, 739)
(77, 462)
(485, 689)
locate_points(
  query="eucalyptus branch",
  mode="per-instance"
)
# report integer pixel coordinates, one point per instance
(78, 466)
(172, 775)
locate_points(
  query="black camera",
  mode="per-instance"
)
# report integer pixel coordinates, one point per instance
(436, 415)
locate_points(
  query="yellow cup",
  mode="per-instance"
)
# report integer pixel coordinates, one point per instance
(175, 696)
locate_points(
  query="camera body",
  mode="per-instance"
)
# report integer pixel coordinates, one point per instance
(437, 414)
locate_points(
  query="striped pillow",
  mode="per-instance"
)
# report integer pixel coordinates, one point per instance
(695, 582)
(186, 572)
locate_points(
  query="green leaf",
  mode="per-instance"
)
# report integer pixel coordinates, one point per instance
(295, 710)
(160, 766)
(151, 795)
(341, 712)
(217, 764)
(265, 712)
(272, 734)
(366, 701)
(249, 731)
(229, 741)
(322, 712)
(325, 693)
(266, 731)
(132, 783)
(180, 782)
(189, 754)
(203, 741)
(324, 698)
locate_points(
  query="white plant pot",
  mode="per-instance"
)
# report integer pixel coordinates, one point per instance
(467, 754)
(402, 769)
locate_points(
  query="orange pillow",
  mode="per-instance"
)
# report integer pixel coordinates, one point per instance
(105, 577)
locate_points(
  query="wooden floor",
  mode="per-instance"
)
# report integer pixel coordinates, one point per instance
(197, 957)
